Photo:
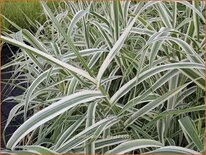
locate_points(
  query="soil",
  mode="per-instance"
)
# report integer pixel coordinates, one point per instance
(6, 91)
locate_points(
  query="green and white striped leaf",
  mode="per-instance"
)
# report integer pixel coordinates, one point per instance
(51, 112)
(150, 106)
(173, 150)
(38, 149)
(132, 145)
(48, 57)
(189, 129)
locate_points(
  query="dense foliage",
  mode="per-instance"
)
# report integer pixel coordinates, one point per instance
(110, 77)
(25, 13)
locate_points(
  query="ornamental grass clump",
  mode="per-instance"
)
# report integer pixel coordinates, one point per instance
(110, 78)
(24, 14)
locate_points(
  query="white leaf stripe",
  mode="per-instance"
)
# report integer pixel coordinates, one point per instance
(69, 132)
(150, 106)
(85, 134)
(134, 145)
(146, 74)
(119, 43)
(75, 19)
(48, 57)
(173, 150)
(39, 149)
(187, 125)
(50, 112)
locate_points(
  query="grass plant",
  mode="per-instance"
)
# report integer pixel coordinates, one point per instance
(110, 78)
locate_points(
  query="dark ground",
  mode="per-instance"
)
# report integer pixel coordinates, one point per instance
(6, 56)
